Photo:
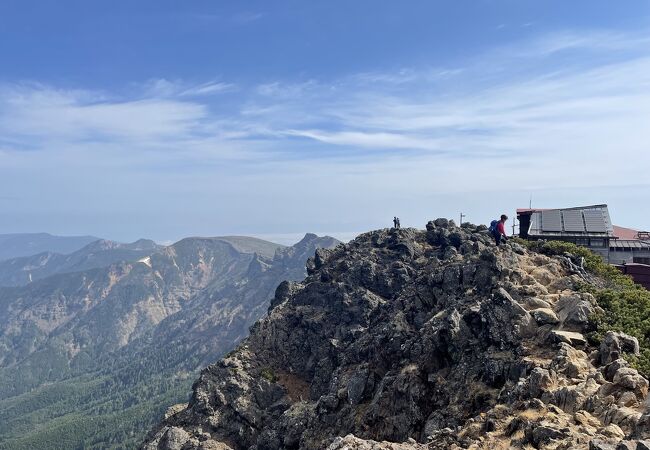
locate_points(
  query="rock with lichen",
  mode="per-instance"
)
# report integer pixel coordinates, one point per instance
(409, 339)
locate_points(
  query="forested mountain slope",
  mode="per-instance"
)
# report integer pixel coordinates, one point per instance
(90, 359)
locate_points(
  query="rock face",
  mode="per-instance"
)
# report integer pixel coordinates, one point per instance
(408, 339)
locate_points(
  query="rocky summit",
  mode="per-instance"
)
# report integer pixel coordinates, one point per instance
(408, 339)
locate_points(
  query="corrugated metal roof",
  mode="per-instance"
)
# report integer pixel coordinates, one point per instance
(573, 220)
(552, 220)
(595, 220)
(629, 243)
(525, 210)
(580, 221)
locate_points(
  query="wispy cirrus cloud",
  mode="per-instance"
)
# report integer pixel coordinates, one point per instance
(41, 113)
(469, 113)
(373, 140)
(551, 43)
(525, 115)
(449, 113)
(162, 87)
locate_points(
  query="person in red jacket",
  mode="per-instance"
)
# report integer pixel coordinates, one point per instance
(501, 230)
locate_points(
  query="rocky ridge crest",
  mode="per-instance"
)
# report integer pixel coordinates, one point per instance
(409, 339)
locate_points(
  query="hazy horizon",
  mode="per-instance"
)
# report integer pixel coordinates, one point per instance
(283, 238)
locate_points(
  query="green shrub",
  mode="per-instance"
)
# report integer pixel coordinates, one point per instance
(268, 374)
(626, 305)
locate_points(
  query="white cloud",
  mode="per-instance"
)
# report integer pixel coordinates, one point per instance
(208, 89)
(526, 115)
(161, 87)
(288, 91)
(591, 40)
(376, 140)
(53, 114)
(344, 151)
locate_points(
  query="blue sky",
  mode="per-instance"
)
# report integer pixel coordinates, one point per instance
(165, 119)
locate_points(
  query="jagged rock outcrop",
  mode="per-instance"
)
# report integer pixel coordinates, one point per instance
(431, 339)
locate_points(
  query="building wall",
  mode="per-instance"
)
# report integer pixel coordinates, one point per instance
(616, 256)
(639, 273)
(603, 252)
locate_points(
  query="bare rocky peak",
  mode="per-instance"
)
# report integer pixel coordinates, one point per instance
(290, 257)
(239, 244)
(431, 339)
(246, 244)
(105, 244)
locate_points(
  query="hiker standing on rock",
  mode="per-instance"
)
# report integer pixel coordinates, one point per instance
(498, 229)
(396, 223)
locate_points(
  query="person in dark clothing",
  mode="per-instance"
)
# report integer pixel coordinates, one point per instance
(395, 222)
(500, 234)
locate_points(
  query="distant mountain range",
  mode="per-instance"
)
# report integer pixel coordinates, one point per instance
(26, 244)
(100, 253)
(103, 340)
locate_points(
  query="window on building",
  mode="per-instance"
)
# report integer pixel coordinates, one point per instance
(582, 241)
(597, 242)
(641, 260)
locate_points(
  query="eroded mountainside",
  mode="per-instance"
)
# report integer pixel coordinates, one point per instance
(90, 359)
(431, 339)
(100, 253)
